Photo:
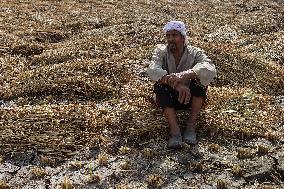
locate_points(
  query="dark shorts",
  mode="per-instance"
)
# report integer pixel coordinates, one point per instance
(166, 96)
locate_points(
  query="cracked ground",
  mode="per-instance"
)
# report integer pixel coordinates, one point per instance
(76, 108)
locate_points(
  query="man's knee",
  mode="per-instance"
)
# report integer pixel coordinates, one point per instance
(197, 102)
(197, 90)
(198, 99)
(161, 89)
(163, 96)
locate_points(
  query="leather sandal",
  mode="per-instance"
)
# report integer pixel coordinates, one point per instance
(189, 137)
(175, 142)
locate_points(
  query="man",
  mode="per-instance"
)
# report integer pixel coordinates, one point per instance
(181, 74)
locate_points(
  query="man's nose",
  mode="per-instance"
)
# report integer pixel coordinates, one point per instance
(170, 38)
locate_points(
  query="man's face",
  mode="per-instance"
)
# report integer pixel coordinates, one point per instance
(174, 39)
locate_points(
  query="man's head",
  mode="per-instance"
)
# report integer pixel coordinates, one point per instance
(175, 34)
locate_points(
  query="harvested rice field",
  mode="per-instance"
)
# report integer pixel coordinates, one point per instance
(76, 107)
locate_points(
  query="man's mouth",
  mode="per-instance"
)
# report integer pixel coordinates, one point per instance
(172, 45)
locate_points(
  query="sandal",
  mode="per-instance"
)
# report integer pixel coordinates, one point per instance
(190, 137)
(175, 142)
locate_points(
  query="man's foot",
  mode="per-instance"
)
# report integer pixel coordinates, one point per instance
(175, 142)
(190, 137)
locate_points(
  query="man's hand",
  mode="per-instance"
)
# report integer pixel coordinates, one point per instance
(175, 79)
(179, 78)
(172, 80)
(184, 94)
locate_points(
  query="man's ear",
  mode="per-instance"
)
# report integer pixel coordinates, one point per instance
(183, 38)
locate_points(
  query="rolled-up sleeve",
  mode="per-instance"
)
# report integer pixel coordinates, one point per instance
(155, 69)
(204, 68)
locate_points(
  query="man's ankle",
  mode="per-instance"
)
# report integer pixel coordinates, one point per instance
(191, 123)
(175, 133)
(190, 126)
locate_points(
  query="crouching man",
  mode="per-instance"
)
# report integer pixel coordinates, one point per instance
(181, 74)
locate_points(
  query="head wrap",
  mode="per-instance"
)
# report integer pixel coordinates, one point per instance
(178, 26)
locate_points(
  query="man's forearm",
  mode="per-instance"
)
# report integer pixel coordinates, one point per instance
(164, 79)
(175, 78)
(189, 74)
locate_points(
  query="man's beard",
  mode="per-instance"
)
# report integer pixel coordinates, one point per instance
(172, 46)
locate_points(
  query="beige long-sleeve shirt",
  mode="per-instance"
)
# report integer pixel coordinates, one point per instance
(163, 63)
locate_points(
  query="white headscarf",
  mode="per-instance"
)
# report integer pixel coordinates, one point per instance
(178, 26)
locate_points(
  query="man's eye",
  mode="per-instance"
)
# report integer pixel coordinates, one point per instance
(171, 35)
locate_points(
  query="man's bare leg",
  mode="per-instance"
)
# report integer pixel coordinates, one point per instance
(196, 106)
(190, 135)
(171, 117)
(175, 140)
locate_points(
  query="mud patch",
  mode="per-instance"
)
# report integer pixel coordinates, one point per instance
(26, 50)
(50, 37)
(242, 7)
(279, 157)
(259, 168)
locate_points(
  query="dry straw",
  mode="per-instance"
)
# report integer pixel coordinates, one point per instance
(66, 76)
